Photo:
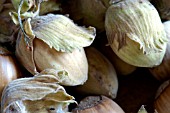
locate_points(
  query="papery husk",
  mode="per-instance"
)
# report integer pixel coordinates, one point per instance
(60, 32)
(38, 94)
(162, 72)
(7, 33)
(49, 6)
(88, 12)
(97, 104)
(161, 103)
(101, 74)
(163, 8)
(136, 33)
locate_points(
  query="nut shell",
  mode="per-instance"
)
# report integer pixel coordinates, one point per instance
(9, 69)
(98, 104)
(101, 74)
(162, 100)
(44, 57)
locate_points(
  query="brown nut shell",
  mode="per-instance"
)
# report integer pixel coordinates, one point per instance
(44, 57)
(101, 74)
(97, 104)
(9, 69)
(162, 100)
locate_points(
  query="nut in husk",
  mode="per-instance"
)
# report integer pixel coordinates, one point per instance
(56, 43)
(101, 74)
(135, 32)
(38, 94)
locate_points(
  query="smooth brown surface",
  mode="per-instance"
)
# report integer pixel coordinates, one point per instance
(9, 69)
(101, 73)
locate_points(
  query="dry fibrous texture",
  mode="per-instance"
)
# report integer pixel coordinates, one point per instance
(101, 74)
(56, 43)
(162, 72)
(59, 32)
(89, 12)
(162, 98)
(135, 32)
(163, 6)
(38, 94)
(97, 104)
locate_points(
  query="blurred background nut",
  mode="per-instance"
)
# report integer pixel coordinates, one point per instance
(87, 12)
(7, 34)
(1, 4)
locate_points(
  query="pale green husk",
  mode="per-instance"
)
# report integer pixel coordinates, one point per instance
(35, 95)
(142, 110)
(136, 33)
(14, 16)
(60, 32)
(27, 4)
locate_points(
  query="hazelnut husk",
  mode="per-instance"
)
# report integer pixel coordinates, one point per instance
(135, 32)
